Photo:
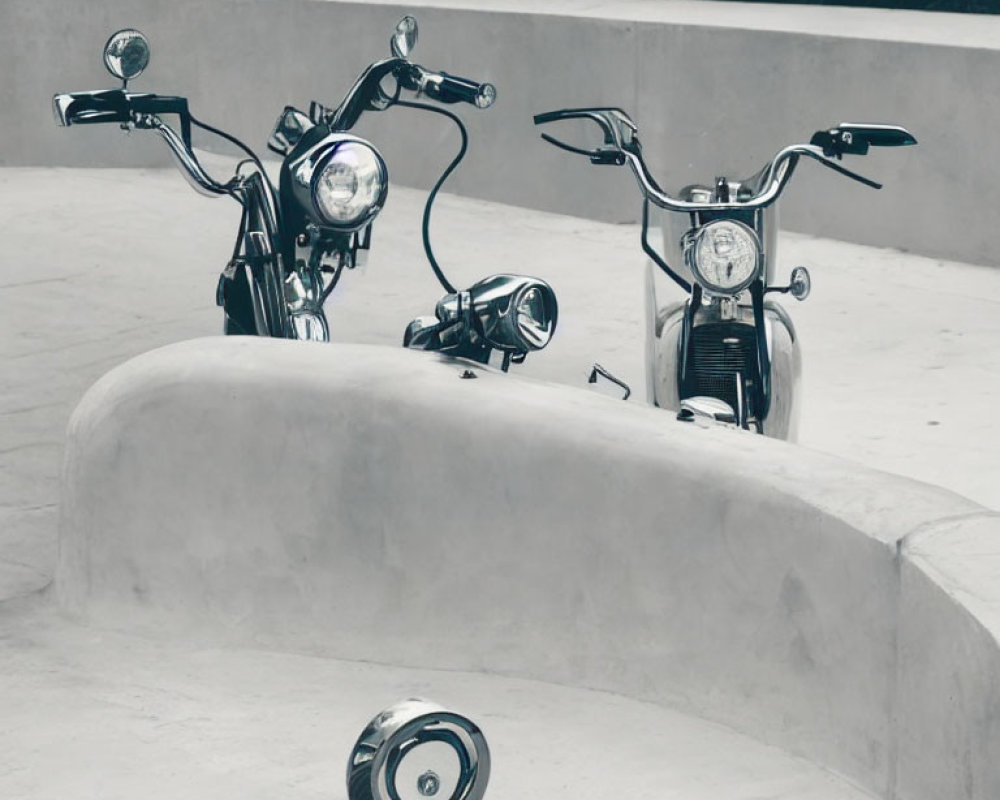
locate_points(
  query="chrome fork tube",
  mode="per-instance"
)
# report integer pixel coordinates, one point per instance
(262, 245)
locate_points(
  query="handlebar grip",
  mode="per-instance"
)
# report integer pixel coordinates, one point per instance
(165, 104)
(159, 104)
(552, 116)
(118, 105)
(87, 108)
(452, 89)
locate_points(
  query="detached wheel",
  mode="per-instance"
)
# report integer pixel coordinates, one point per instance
(417, 750)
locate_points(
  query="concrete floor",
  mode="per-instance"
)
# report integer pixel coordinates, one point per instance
(902, 374)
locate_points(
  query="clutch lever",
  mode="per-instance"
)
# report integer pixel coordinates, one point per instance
(580, 113)
(599, 155)
(842, 170)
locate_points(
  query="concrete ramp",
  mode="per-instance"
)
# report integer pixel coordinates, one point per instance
(373, 504)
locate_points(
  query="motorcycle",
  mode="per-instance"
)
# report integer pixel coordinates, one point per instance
(727, 353)
(296, 239)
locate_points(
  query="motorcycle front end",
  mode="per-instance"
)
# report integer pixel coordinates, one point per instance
(266, 289)
(726, 352)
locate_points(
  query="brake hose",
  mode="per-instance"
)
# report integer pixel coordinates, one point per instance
(444, 176)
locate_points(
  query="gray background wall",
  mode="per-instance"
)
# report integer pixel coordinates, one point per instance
(709, 100)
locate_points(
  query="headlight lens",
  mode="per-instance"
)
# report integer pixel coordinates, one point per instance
(516, 313)
(535, 317)
(724, 256)
(348, 186)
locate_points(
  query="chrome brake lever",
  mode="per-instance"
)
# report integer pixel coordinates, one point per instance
(826, 162)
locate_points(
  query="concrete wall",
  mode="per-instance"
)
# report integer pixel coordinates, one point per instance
(716, 89)
(367, 503)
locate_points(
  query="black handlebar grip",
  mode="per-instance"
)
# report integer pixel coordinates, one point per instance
(89, 108)
(552, 116)
(118, 105)
(451, 89)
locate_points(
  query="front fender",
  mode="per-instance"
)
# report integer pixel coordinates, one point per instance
(786, 373)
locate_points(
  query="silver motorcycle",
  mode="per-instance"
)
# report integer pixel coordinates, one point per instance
(727, 353)
(296, 239)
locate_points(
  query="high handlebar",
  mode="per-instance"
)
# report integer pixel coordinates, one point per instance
(141, 110)
(118, 105)
(367, 93)
(621, 146)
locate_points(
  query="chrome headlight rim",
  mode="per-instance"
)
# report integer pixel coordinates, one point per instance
(500, 306)
(694, 238)
(531, 334)
(322, 161)
(401, 731)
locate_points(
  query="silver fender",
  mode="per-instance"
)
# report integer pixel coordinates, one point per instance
(663, 333)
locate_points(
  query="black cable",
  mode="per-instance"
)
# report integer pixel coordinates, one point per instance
(444, 176)
(647, 248)
(232, 139)
(239, 235)
(333, 283)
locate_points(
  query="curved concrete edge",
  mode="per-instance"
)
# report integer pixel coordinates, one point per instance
(949, 661)
(92, 713)
(710, 97)
(366, 503)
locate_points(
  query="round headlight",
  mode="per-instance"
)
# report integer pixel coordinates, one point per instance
(515, 312)
(535, 315)
(724, 256)
(348, 185)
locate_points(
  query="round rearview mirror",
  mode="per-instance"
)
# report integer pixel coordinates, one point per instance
(800, 284)
(126, 54)
(404, 38)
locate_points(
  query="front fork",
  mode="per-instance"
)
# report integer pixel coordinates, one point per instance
(252, 295)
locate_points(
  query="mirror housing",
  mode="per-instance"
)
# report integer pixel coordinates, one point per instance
(800, 284)
(404, 38)
(126, 54)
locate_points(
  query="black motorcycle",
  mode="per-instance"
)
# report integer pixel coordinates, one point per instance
(296, 239)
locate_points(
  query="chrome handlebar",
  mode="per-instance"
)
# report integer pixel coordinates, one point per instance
(200, 180)
(141, 110)
(367, 94)
(622, 146)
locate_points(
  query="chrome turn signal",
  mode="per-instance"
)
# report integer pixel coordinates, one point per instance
(800, 284)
